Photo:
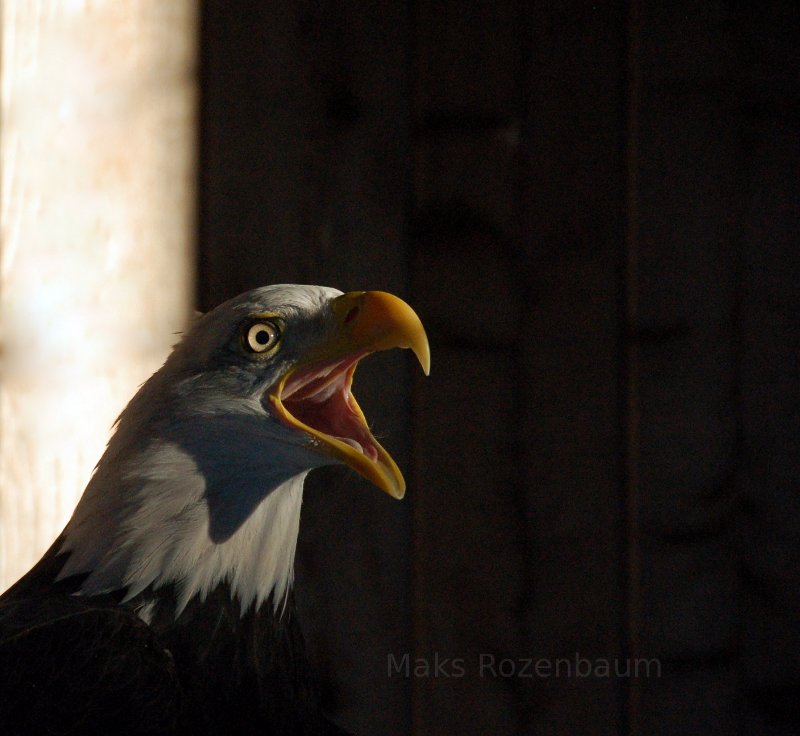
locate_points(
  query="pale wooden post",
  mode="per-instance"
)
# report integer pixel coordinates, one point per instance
(97, 132)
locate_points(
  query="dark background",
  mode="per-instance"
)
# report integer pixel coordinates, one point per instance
(594, 209)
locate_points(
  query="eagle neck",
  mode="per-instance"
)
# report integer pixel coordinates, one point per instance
(164, 524)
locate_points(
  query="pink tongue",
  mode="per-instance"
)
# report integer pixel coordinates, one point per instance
(324, 404)
(334, 417)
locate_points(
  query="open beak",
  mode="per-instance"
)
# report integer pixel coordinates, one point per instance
(315, 397)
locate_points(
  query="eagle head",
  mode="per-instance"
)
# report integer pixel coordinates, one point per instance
(201, 482)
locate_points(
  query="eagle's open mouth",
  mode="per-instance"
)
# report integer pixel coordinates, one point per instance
(321, 399)
(316, 397)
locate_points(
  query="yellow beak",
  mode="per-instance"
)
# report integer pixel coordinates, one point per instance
(315, 396)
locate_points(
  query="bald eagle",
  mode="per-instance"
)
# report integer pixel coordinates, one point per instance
(165, 605)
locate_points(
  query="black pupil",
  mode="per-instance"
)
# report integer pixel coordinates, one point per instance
(262, 336)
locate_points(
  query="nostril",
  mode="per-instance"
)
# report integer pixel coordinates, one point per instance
(351, 315)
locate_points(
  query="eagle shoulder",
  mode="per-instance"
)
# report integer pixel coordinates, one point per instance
(68, 665)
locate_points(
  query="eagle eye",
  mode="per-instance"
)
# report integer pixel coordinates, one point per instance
(261, 337)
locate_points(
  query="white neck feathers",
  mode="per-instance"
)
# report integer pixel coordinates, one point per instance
(152, 525)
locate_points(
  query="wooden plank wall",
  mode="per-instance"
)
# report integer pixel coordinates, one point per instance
(594, 208)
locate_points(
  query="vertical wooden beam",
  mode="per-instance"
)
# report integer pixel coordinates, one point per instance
(682, 331)
(97, 140)
(768, 459)
(469, 536)
(574, 226)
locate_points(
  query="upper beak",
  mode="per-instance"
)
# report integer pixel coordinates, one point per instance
(315, 396)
